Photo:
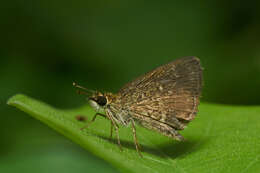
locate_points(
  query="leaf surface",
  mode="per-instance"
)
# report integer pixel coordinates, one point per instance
(221, 139)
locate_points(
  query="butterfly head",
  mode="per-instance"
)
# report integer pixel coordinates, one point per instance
(98, 101)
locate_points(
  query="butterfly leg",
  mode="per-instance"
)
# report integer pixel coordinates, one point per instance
(118, 139)
(111, 130)
(113, 124)
(137, 146)
(93, 119)
(117, 134)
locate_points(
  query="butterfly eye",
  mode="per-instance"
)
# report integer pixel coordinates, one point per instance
(101, 100)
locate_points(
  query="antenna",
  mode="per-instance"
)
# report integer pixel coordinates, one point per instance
(81, 87)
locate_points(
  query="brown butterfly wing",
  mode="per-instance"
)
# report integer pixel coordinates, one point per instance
(169, 93)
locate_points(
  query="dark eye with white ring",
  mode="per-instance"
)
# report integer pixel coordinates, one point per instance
(101, 100)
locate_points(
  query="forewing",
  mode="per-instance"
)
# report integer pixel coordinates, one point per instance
(168, 93)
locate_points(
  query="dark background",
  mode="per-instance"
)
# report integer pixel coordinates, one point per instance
(46, 45)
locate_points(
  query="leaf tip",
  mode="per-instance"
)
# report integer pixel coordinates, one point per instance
(12, 100)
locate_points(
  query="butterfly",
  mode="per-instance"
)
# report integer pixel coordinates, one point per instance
(165, 100)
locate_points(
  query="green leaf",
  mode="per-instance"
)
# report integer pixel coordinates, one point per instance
(221, 139)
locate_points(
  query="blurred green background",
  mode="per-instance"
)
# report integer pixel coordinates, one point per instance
(46, 45)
